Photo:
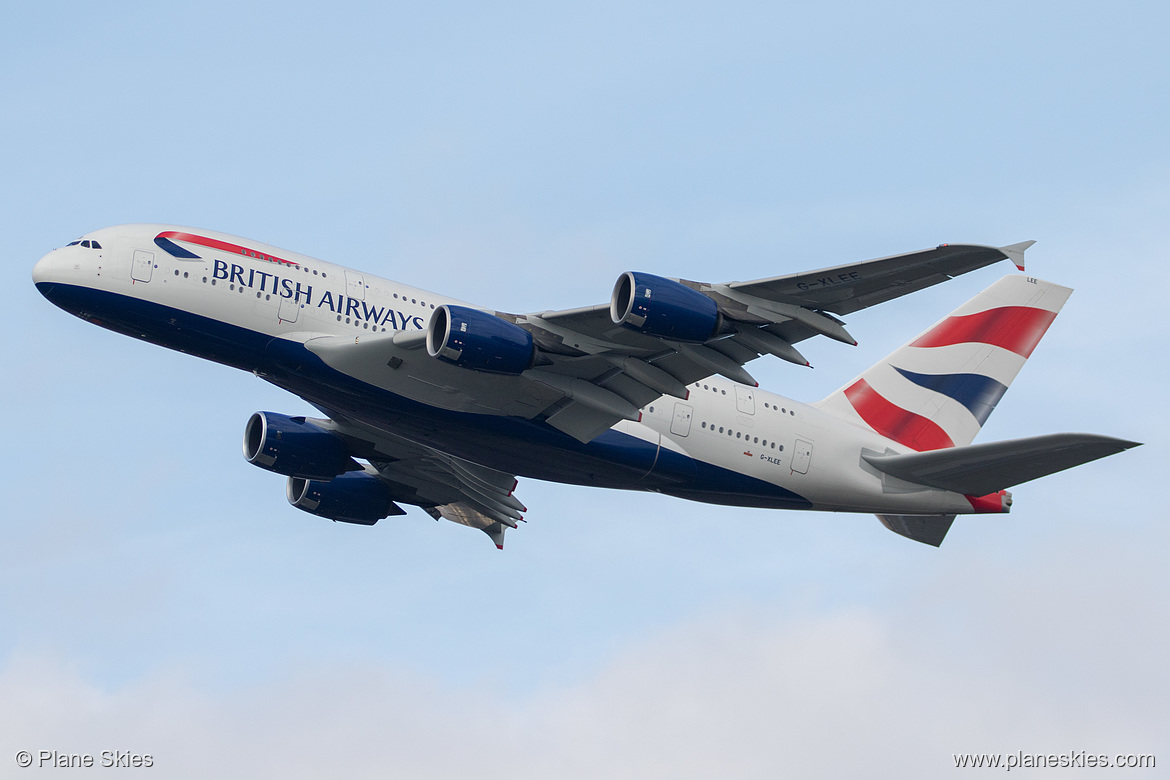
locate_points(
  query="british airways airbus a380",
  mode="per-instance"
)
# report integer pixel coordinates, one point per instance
(435, 403)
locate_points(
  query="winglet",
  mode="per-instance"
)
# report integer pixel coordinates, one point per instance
(1015, 252)
(495, 532)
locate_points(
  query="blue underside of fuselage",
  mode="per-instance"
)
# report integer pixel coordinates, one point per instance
(527, 448)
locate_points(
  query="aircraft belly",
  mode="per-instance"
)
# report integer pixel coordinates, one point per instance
(163, 325)
(616, 459)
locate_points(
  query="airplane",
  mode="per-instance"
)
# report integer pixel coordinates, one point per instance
(436, 403)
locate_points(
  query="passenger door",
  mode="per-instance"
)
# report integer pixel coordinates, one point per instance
(289, 309)
(355, 285)
(143, 266)
(745, 399)
(801, 456)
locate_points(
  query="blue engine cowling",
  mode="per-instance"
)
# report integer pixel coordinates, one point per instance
(474, 339)
(663, 307)
(357, 497)
(294, 447)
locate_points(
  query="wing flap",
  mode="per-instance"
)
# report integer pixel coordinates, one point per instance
(980, 469)
(441, 484)
(467, 515)
(582, 422)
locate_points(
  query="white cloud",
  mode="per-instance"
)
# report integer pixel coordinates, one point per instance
(975, 662)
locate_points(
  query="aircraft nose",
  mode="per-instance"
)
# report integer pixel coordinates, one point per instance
(43, 271)
(47, 274)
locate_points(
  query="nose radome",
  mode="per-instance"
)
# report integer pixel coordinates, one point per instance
(42, 272)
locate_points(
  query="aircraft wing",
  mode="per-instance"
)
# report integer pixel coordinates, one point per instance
(441, 484)
(845, 289)
(586, 350)
(592, 370)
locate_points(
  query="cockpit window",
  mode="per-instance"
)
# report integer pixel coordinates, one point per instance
(85, 244)
(74, 243)
(95, 245)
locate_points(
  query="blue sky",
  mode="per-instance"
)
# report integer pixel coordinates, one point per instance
(159, 595)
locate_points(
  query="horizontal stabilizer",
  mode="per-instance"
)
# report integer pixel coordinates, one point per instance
(928, 529)
(979, 469)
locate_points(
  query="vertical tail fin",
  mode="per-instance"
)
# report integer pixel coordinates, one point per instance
(938, 390)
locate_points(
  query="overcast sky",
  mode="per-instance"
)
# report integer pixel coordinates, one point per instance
(158, 594)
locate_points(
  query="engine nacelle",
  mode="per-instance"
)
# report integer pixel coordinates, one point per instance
(294, 447)
(663, 307)
(357, 497)
(473, 339)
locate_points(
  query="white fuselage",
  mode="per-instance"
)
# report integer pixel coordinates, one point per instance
(276, 294)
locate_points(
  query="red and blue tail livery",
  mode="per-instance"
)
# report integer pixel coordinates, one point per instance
(938, 390)
(438, 404)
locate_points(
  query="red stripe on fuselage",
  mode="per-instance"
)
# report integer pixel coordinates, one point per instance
(213, 243)
(1015, 328)
(894, 422)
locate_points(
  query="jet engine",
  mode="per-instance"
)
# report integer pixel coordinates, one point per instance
(295, 447)
(474, 339)
(664, 308)
(358, 497)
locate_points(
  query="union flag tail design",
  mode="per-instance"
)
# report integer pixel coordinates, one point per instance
(938, 390)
